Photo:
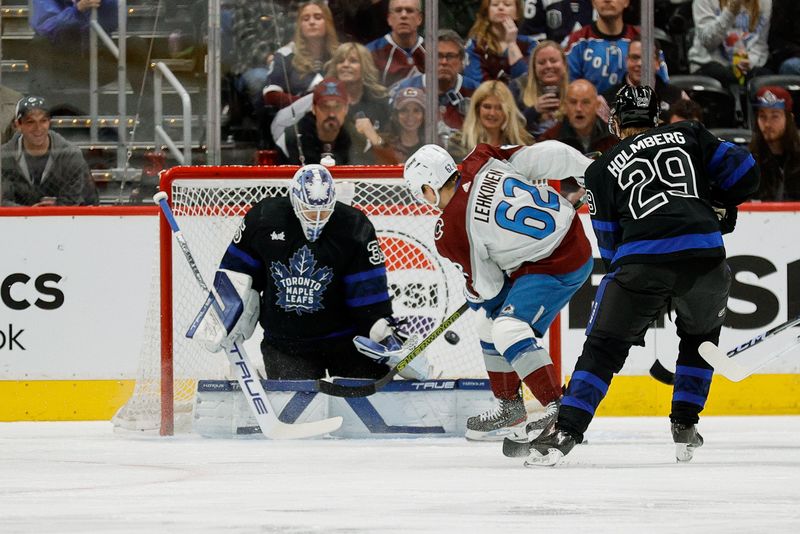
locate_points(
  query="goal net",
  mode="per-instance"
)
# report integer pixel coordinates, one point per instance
(209, 203)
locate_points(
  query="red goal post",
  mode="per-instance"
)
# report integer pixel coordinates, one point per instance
(209, 202)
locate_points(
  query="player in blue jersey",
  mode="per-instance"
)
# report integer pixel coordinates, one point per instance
(310, 270)
(659, 202)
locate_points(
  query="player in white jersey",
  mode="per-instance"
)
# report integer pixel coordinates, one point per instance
(523, 252)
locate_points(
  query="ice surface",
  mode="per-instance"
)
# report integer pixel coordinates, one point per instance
(80, 477)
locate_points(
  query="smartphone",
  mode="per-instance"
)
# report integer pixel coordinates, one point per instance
(550, 90)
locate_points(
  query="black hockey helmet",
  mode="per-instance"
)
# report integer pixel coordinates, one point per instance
(634, 106)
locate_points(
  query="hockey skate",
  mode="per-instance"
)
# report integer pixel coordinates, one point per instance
(550, 447)
(517, 445)
(537, 424)
(498, 422)
(687, 439)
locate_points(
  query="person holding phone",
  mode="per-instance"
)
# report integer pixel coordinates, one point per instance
(539, 94)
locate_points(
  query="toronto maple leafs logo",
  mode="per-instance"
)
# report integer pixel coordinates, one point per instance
(300, 286)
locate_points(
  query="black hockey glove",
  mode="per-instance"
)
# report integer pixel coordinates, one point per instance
(727, 218)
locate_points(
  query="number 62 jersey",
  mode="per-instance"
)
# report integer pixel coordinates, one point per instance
(500, 225)
(650, 197)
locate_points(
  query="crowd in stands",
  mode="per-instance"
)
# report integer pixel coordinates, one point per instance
(343, 80)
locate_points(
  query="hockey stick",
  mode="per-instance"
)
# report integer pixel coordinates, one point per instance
(339, 390)
(249, 383)
(734, 370)
(662, 374)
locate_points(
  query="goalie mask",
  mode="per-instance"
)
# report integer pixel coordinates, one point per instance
(313, 197)
(634, 106)
(431, 165)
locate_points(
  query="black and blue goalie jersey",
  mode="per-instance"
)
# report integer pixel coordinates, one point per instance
(650, 197)
(332, 287)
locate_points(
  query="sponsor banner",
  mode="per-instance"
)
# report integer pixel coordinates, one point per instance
(74, 295)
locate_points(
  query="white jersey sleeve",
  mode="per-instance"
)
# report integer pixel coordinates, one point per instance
(512, 221)
(549, 160)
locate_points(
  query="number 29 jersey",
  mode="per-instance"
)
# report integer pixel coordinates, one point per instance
(499, 224)
(650, 197)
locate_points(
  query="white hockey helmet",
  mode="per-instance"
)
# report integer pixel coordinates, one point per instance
(313, 197)
(430, 165)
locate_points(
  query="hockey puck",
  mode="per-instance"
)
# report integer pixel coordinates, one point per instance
(451, 337)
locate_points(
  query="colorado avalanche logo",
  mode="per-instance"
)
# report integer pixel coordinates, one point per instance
(300, 286)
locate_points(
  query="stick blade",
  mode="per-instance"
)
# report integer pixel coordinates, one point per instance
(662, 374)
(312, 429)
(721, 363)
(338, 390)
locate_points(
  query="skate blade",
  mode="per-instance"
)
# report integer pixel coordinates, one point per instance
(493, 435)
(536, 459)
(684, 452)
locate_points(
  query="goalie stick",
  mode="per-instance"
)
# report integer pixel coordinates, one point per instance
(249, 382)
(736, 371)
(340, 390)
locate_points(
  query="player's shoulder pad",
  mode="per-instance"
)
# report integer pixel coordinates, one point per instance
(482, 153)
(271, 212)
(351, 223)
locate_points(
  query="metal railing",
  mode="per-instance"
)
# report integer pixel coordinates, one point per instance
(119, 52)
(162, 71)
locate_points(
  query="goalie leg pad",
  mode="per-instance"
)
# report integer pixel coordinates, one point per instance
(229, 314)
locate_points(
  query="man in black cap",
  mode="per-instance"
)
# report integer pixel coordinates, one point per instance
(40, 167)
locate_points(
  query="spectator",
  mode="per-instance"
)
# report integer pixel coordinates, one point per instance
(784, 39)
(597, 51)
(324, 131)
(495, 49)
(492, 118)
(730, 39)
(298, 66)
(41, 168)
(362, 21)
(686, 110)
(59, 56)
(667, 93)
(776, 146)
(400, 53)
(581, 128)
(540, 94)
(555, 19)
(406, 131)
(454, 89)
(353, 65)
(259, 29)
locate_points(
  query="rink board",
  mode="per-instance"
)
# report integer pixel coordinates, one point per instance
(75, 295)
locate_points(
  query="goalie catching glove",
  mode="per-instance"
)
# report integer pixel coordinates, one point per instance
(388, 344)
(229, 314)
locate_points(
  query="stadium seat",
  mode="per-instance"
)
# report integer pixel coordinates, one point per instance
(718, 103)
(789, 82)
(739, 136)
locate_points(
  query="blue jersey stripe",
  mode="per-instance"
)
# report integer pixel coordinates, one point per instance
(716, 159)
(578, 403)
(235, 258)
(669, 245)
(592, 379)
(605, 226)
(364, 275)
(683, 396)
(366, 300)
(696, 372)
(743, 168)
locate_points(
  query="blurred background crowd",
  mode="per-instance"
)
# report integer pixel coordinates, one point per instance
(344, 81)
